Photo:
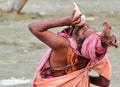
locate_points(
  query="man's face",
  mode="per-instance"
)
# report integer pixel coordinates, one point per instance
(79, 34)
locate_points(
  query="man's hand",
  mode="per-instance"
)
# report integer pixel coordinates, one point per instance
(75, 20)
(106, 37)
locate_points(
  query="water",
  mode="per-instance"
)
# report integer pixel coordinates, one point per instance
(20, 51)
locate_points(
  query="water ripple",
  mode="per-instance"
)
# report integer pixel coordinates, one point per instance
(13, 81)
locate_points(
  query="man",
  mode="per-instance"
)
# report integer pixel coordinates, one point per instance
(74, 52)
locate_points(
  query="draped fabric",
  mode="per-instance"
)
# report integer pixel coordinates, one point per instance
(93, 46)
(79, 78)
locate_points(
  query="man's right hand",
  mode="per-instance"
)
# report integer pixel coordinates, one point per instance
(75, 20)
(106, 37)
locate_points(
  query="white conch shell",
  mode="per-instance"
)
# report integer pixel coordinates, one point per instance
(83, 18)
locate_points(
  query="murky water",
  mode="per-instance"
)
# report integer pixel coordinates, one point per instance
(20, 51)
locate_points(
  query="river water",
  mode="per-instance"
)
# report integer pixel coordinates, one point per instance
(20, 51)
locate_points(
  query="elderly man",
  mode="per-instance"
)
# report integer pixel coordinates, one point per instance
(73, 53)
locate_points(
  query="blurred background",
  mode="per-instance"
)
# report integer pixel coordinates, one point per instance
(20, 51)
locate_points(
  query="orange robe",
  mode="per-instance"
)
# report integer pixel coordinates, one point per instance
(79, 78)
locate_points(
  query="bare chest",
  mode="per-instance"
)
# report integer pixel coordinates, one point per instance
(58, 59)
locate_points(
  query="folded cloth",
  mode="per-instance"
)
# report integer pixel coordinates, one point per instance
(90, 47)
(79, 78)
(93, 46)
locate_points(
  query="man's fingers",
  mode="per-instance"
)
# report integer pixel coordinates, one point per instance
(77, 17)
(77, 21)
(82, 22)
(73, 14)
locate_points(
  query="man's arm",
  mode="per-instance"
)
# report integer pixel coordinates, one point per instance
(40, 30)
(99, 81)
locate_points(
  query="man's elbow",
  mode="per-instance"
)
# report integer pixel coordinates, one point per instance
(31, 27)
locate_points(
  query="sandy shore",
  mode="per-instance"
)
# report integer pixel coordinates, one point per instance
(13, 16)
